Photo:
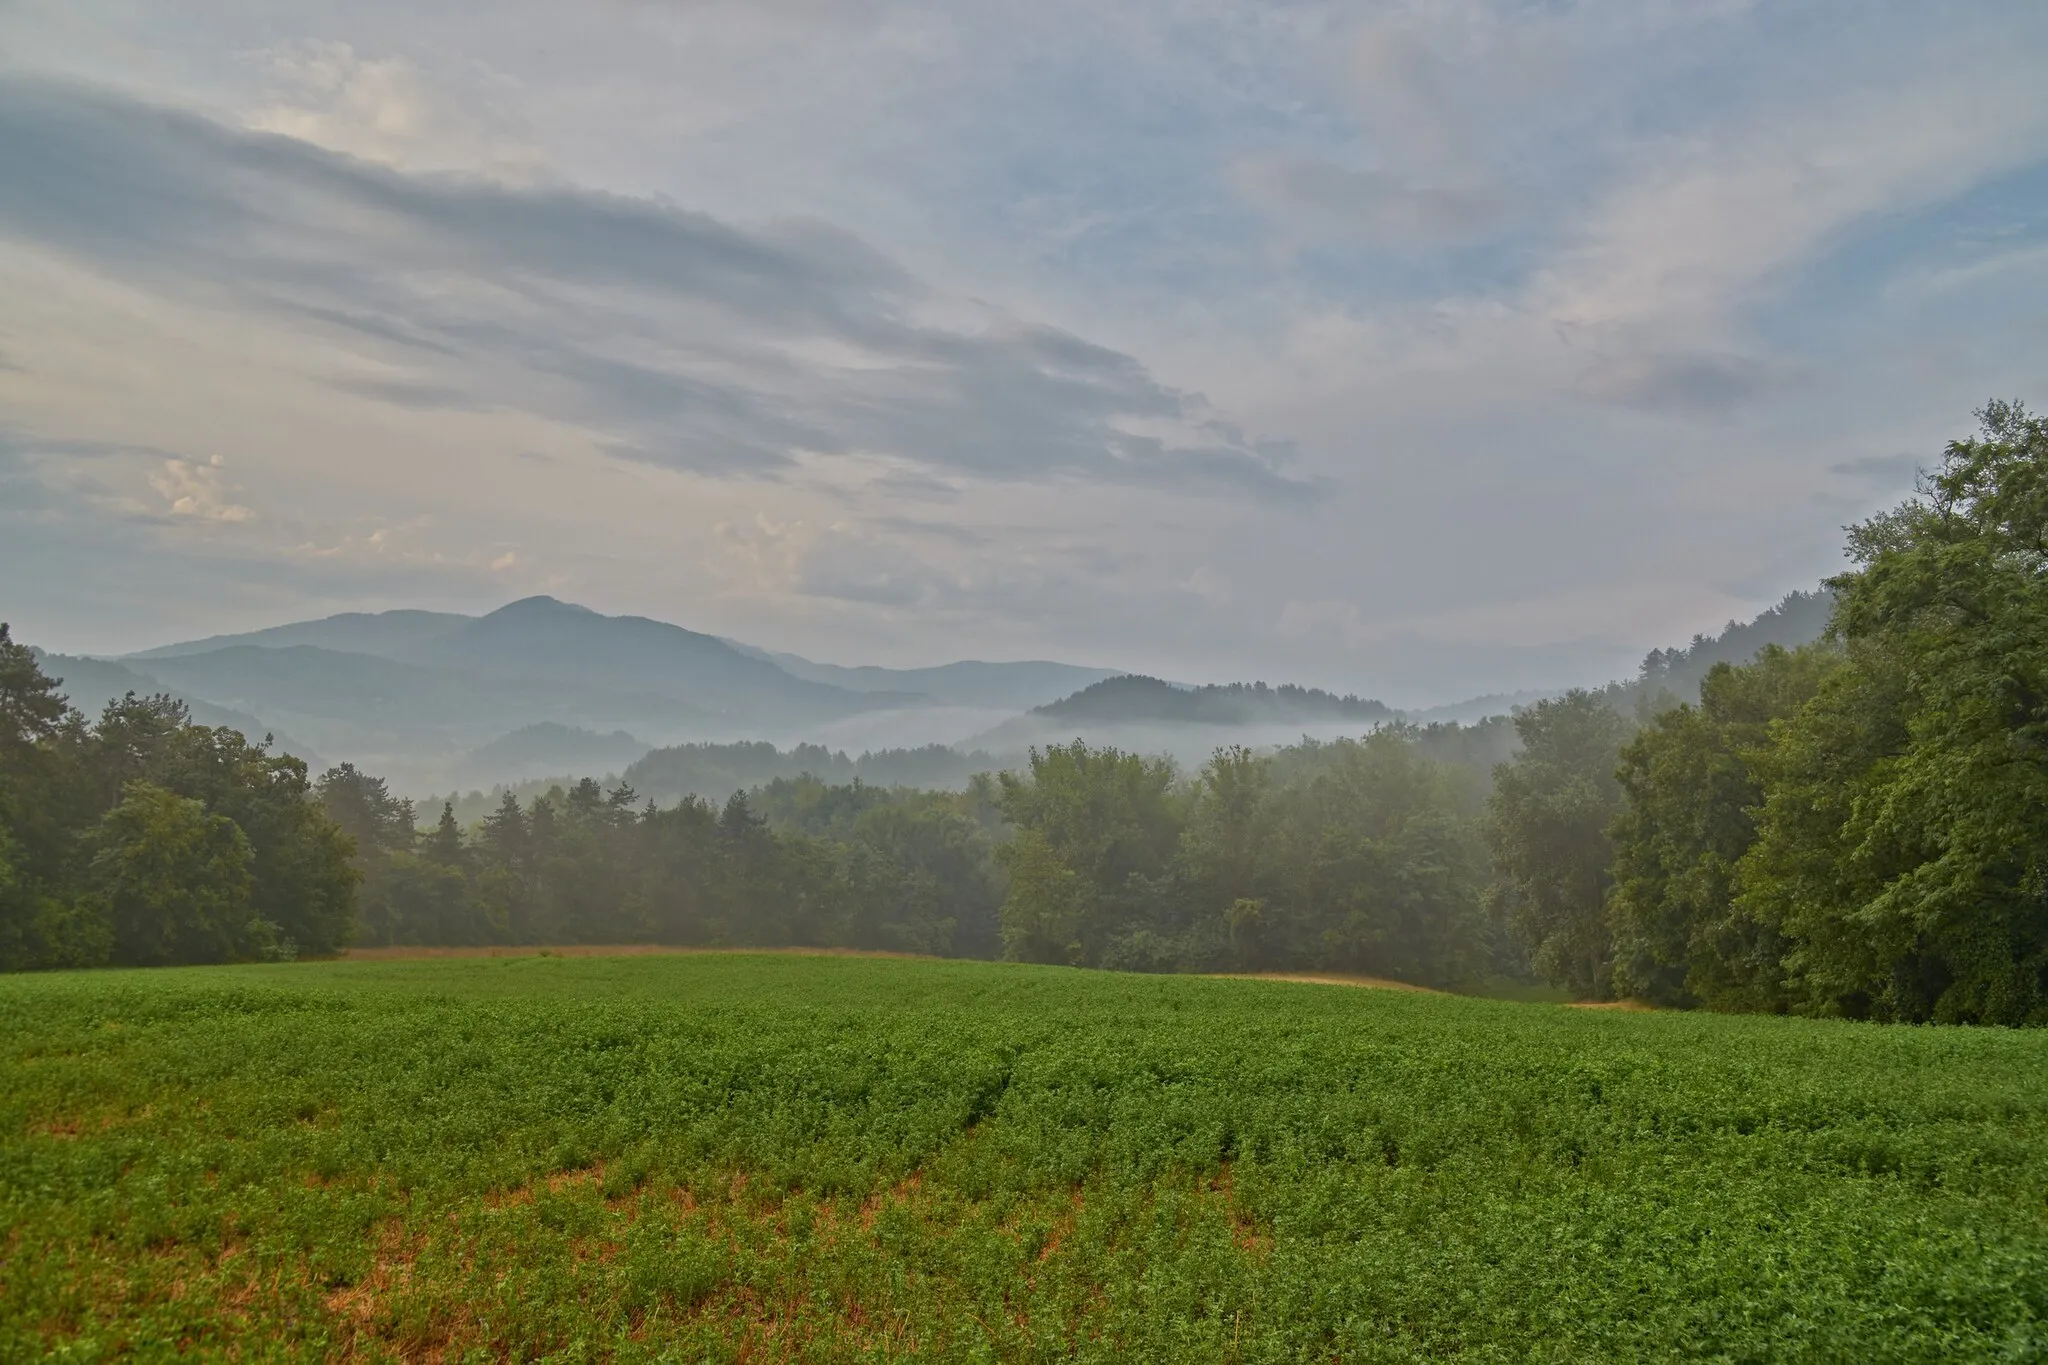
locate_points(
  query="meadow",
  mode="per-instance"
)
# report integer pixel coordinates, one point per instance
(716, 1158)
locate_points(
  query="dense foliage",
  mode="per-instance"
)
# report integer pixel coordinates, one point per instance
(1356, 855)
(1861, 828)
(715, 771)
(719, 1159)
(144, 839)
(900, 870)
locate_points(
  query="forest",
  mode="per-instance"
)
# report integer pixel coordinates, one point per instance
(1848, 828)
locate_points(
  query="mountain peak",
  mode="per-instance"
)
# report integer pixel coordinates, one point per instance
(541, 605)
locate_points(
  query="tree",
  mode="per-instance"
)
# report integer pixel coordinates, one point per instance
(1547, 825)
(1901, 843)
(1372, 864)
(1095, 828)
(444, 846)
(32, 710)
(1693, 779)
(173, 882)
(1229, 824)
(42, 801)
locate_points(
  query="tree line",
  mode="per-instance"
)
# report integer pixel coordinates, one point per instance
(847, 866)
(143, 839)
(1853, 827)
(1856, 827)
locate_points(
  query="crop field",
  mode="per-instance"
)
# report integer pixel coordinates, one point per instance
(838, 1159)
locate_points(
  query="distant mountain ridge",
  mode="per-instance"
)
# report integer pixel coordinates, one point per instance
(542, 637)
(431, 697)
(385, 633)
(89, 684)
(540, 686)
(1018, 686)
(1136, 697)
(550, 747)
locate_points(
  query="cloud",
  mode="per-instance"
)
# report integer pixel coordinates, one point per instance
(197, 491)
(1712, 219)
(670, 337)
(387, 109)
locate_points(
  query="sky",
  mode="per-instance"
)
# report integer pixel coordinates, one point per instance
(1419, 350)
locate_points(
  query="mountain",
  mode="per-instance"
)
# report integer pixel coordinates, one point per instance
(386, 633)
(314, 681)
(1475, 709)
(1133, 697)
(542, 661)
(542, 638)
(425, 698)
(89, 684)
(1150, 715)
(1801, 618)
(547, 748)
(535, 640)
(1015, 686)
(416, 724)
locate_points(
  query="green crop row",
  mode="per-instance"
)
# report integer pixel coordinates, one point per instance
(750, 1158)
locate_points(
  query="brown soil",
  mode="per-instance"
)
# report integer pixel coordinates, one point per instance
(1378, 983)
(405, 954)
(1630, 1006)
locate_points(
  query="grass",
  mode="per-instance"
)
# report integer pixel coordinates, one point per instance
(776, 1158)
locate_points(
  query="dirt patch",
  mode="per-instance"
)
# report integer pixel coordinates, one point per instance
(1627, 1006)
(406, 954)
(1377, 983)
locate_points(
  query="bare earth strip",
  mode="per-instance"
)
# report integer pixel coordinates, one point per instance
(1378, 983)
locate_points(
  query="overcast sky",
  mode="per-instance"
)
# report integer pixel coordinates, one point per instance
(1419, 350)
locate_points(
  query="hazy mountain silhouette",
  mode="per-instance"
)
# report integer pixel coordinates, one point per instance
(1154, 716)
(432, 699)
(546, 748)
(385, 633)
(1134, 697)
(412, 722)
(1017, 686)
(545, 639)
(90, 684)
(431, 694)
(439, 697)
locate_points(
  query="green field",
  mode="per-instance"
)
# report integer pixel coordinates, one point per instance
(762, 1158)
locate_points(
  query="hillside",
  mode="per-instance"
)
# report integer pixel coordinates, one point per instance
(416, 723)
(1801, 618)
(1140, 698)
(1006, 686)
(1186, 723)
(537, 750)
(541, 639)
(434, 699)
(89, 684)
(384, 633)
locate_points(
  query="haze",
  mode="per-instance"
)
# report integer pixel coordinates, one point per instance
(1415, 351)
